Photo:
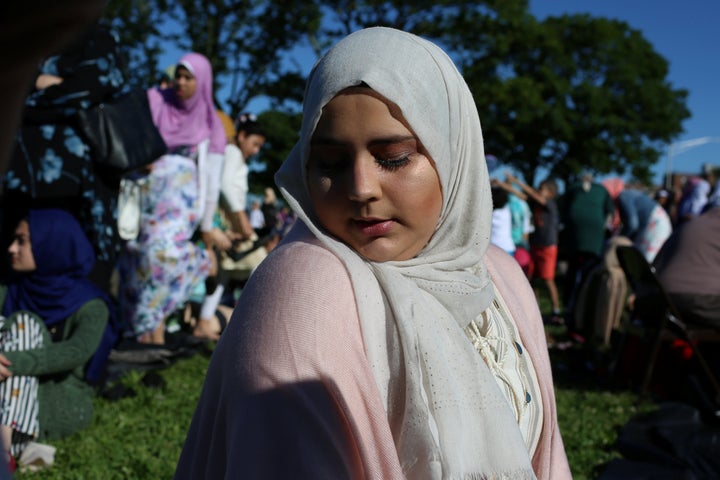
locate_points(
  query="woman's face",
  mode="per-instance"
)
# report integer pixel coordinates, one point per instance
(185, 83)
(371, 184)
(250, 144)
(21, 255)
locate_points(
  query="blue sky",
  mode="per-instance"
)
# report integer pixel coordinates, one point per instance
(687, 34)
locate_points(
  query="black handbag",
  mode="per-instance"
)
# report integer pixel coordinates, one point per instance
(120, 132)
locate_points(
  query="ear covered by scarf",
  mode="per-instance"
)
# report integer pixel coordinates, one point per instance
(448, 415)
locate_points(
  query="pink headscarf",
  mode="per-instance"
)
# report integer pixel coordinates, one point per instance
(191, 121)
(614, 186)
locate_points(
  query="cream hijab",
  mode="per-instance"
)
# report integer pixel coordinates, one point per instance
(447, 414)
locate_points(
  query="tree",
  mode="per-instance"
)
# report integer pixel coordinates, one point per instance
(137, 23)
(281, 129)
(575, 92)
(428, 18)
(248, 42)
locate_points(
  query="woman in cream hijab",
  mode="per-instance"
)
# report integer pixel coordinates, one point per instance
(384, 338)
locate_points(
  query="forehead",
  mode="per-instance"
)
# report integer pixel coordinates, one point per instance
(181, 70)
(360, 110)
(23, 227)
(255, 137)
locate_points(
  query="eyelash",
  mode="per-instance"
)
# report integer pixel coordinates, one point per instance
(393, 164)
(388, 164)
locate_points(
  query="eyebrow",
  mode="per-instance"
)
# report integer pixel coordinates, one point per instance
(379, 141)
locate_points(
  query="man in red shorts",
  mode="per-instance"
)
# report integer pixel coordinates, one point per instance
(544, 239)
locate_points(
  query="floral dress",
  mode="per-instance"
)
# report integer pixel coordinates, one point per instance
(159, 269)
(51, 164)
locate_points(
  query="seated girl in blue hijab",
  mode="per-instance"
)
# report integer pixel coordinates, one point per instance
(53, 321)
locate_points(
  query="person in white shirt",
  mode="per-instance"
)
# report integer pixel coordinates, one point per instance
(248, 138)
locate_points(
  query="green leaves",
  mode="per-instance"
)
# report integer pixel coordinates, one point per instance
(578, 92)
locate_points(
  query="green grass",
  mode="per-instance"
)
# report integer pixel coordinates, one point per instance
(141, 437)
(133, 438)
(589, 423)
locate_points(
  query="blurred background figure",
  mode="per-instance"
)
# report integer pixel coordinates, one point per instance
(30, 32)
(520, 221)
(53, 321)
(160, 267)
(245, 139)
(639, 217)
(688, 267)
(586, 210)
(257, 219)
(501, 232)
(51, 165)
(544, 238)
(695, 195)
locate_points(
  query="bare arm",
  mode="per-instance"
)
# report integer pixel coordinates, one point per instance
(531, 192)
(508, 188)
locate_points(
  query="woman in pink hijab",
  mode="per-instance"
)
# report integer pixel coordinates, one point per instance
(180, 193)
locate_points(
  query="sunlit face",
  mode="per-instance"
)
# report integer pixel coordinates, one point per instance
(250, 144)
(371, 184)
(185, 83)
(21, 255)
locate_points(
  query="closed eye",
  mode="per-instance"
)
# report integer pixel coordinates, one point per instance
(392, 164)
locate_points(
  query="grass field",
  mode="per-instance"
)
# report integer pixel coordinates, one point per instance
(141, 437)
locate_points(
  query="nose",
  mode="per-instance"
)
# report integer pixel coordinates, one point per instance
(13, 247)
(364, 181)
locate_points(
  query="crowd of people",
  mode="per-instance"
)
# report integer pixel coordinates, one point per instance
(580, 230)
(74, 290)
(383, 335)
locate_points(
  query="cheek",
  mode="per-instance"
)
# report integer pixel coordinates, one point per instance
(422, 194)
(320, 189)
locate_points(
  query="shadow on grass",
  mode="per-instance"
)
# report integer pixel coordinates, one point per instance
(593, 405)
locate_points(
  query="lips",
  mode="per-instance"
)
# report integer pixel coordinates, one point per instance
(373, 227)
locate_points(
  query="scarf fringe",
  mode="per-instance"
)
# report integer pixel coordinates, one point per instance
(516, 475)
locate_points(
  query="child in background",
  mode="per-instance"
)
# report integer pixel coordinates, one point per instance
(501, 233)
(248, 137)
(544, 239)
(520, 223)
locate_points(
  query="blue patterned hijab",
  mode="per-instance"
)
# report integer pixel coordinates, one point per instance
(64, 257)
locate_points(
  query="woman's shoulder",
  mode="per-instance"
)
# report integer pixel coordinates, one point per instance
(302, 259)
(232, 152)
(300, 281)
(300, 289)
(498, 260)
(511, 282)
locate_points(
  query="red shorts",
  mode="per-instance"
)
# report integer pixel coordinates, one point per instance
(544, 261)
